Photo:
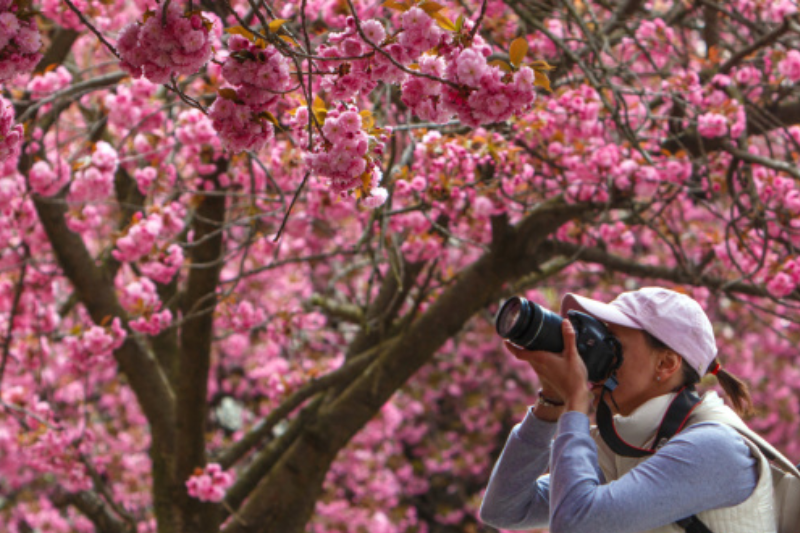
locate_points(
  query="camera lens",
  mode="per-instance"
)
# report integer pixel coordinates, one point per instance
(508, 317)
(529, 325)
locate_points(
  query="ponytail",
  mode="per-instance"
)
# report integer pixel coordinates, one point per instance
(736, 389)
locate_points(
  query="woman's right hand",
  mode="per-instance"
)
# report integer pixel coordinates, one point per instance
(548, 391)
(564, 375)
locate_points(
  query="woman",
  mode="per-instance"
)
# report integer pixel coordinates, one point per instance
(706, 471)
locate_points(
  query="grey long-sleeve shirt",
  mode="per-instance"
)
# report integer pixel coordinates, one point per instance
(704, 467)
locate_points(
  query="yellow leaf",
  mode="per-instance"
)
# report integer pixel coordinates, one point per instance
(541, 80)
(414, 66)
(397, 6)
(367, 119)
(269, 116)
(460, 22)
(288, 39)
(276, 24)
(228, 94)
(518, 50)
(147, 14)
(430, 7)
(241, 30)
(443, 22)
(319, 104)
(320, 115)
(501, 64)
(541, 64)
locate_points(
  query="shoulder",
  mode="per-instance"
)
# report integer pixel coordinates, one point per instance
(712, 443)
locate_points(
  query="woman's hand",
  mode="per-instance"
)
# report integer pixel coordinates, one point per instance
(564, 377)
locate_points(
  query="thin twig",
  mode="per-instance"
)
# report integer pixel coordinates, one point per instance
(288, 211)
(93, 29)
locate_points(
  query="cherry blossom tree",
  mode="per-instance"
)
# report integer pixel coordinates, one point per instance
(253, 249)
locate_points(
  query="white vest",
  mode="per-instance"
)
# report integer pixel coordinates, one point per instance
(754, 515)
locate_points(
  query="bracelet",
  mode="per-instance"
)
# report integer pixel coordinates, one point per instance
(544, 401)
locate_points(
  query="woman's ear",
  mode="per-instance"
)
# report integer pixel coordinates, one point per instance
(669, 363)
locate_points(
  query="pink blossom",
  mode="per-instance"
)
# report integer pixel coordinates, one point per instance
(19, 42)
(139, 240)
(145, 177)
(49, 82)
(789, 67)
(157, 52)
(712, 125)
(90, 184)
(209, 484)
(260, 74)
(239, 127)
(781, 285)
(10, 133)
(470, 66)
(374, 31)
(139, 296)
(46, 179)
(165, 266)
(152, 324)
(377, 197)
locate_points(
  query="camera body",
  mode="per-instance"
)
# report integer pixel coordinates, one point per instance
(533, 327)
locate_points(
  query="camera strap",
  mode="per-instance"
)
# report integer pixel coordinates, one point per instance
(675, 419)
(673, 422)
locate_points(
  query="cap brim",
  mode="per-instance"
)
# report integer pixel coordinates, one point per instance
(599, 310)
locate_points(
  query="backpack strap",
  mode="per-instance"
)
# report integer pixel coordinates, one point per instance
(692, 524)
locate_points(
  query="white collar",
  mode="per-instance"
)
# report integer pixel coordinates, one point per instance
(640, 427)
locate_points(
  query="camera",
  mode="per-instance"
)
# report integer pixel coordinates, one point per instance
(533, 327)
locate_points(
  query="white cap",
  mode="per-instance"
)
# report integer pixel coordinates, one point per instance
(673, 318)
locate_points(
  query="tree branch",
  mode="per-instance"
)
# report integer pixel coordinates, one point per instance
(194, 359)
(96, 292)
(93, 507)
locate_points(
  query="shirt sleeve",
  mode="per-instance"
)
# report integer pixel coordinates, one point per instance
(706, 466)
(518, 494)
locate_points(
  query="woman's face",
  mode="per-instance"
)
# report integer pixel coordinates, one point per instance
(637, 374)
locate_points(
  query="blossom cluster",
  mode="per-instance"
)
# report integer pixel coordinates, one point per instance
(94, 180)
(46, 178)
(49, 82)
(140, 239)
(457, 81)
(130, 106)
(19, 41)
(161, 46)
(140, 298)
(10, 133)
(260, 75)
(349, 155)
(209, 484)
(97, 342)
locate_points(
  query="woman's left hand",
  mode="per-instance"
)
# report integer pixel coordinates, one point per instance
(565, 373)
